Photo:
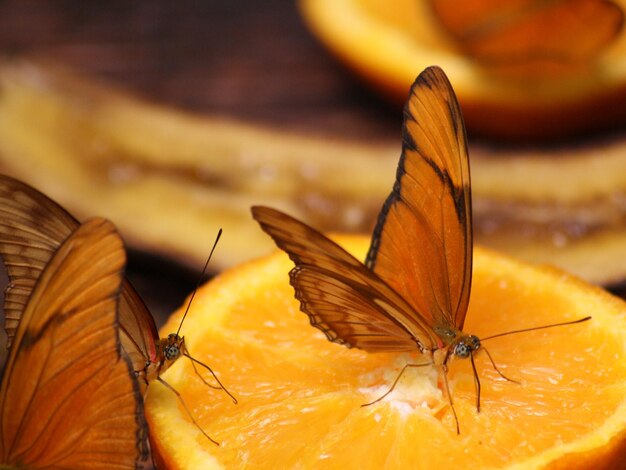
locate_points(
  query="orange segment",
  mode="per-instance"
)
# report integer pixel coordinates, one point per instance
(300, 396)
(388, 47)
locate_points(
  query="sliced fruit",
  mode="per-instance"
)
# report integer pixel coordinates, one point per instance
(300, 396)
(388, 47)
(170, 179)
(529, 37)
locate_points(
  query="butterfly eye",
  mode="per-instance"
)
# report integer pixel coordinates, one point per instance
(465, 347)
(462, 350)
(474, 342)
(171, 352)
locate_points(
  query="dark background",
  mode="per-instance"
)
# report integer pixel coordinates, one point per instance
(252, 60)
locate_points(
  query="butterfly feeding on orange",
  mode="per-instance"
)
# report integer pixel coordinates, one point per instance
(539, 37)
(68, 399)
(33, 226)
(413, 291)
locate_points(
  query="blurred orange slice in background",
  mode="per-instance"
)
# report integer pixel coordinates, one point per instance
(300, 396)
(533, 37)
(388, 45)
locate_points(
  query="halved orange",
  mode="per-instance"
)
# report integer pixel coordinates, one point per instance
(389, 44)
(300, 396)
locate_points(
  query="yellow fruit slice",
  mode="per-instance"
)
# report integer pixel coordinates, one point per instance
(100, 151)
(389, 45)
(300, 396)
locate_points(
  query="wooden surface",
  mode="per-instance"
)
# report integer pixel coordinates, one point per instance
(253, 60)
(250, 59)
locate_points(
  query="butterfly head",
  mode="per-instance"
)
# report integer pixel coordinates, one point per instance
(173, 348)
(465, 346)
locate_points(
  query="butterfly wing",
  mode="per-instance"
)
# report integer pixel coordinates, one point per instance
(349, 303)
(138, 331)
(68, 398)
(527, 31)
(32, 227)
(422, 243)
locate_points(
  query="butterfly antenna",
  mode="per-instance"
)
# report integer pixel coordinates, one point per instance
(195, 289)
(580, 320)
(495, 367)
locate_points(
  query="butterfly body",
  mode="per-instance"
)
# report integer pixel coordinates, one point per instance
(32, 227)
(411, 293)
(168, 350)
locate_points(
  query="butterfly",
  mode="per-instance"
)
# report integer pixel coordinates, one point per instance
(413, 291)
(32, 226)
(68, 399)
(535, 36)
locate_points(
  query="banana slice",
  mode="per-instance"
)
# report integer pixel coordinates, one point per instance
(170, 179)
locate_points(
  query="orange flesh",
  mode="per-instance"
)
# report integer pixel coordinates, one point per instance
(300, 395)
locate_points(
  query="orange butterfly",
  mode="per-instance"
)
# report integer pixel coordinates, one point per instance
(31, 229)
(413, 291)
(532, 35)
(68, 399)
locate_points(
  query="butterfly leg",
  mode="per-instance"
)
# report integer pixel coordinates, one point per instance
(395, 382)
(193, 420)
(142, 379)
(194, 362)
(444, 373)
(195, 369)
(496, 367)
